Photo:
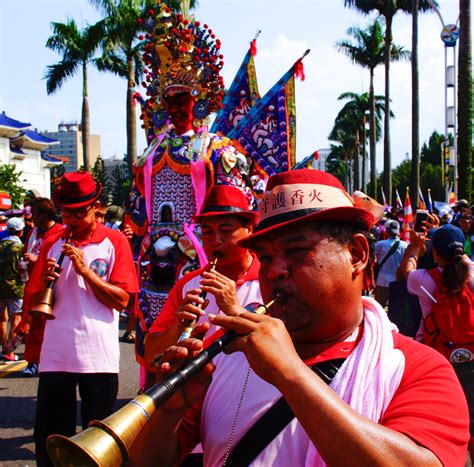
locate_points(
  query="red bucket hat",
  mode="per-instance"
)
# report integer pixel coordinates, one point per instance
(305, 195)
(226, 199)
(77, 189)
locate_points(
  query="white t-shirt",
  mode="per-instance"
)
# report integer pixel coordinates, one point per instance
(83, 337)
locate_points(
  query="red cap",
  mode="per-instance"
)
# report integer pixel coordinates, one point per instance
(77, 189)
(226, 199)
(305, 195)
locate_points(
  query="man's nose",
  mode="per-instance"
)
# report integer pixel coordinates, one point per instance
(277, 269)
(218, 239)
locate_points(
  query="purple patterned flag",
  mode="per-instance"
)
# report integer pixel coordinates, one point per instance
(268, 132)
(241, 96)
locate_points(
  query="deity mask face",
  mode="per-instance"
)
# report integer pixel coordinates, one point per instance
(180, 109)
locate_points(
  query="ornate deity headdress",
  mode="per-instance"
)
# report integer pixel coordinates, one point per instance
(179, 55)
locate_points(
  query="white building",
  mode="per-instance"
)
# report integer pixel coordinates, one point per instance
(24, 147)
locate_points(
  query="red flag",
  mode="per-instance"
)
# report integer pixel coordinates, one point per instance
(407, 218)
(5, 201)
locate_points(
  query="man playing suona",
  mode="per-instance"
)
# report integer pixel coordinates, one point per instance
(225, 219)
(361, 393)
(80, 346)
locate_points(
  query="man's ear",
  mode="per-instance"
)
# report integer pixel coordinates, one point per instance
(359, 254)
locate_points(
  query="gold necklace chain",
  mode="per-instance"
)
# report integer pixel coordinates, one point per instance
(236, 418)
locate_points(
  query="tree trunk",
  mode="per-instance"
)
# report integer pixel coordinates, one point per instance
(85, 123)
(465, 102)
(356, 163)
(372, 138)
(131, 119)
(415, 110)
(364, 158)
(387, 158)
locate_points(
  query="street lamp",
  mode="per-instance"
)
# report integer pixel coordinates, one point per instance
(449, 36)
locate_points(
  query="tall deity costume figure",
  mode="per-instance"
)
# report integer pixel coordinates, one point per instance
(183, 160)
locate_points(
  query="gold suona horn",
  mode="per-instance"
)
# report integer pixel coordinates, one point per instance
(44, 306)
(106, 443)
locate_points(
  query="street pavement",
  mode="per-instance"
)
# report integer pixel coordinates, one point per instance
(18, 402)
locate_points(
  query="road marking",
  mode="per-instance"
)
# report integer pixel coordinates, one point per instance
(12, 367)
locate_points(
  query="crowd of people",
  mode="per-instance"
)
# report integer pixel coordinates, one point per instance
(365, 354)
(325, 373)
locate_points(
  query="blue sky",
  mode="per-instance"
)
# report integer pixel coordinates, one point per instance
(288, 28)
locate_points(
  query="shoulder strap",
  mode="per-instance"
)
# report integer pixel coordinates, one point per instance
(272, 422)
(392, 250)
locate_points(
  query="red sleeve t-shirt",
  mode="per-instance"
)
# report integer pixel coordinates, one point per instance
(429, 405)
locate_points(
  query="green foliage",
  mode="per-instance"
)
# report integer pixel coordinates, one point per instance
(368, 47)
(465, 103)
(431, 151)
(100, 176)
(349, 126)
(57, 173)
(387, 8)
(120, 187)
(337, 165)
(401, 177)
(11, 181)
(77, 48)
(430, 174)
(431, 177)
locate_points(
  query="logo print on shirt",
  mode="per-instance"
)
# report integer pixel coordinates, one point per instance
(99, 266)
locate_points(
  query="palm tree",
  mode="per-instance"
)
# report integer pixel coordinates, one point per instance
(465, 102)
(336, 165)
(388, 9)
(349, 126)
(77, 48)
(367, 50)
(122, 52)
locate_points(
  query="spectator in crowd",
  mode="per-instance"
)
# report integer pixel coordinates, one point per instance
(455, 272)
(11, 284)
(388, 254)
(225, 219)
(44, 216)
(29, 224)
(269, 401)
(460, 208)
(80, 346)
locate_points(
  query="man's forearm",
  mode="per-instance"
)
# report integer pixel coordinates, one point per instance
(107, 293)
(341, 434)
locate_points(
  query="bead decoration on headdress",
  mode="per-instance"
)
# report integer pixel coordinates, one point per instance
(180, 55)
